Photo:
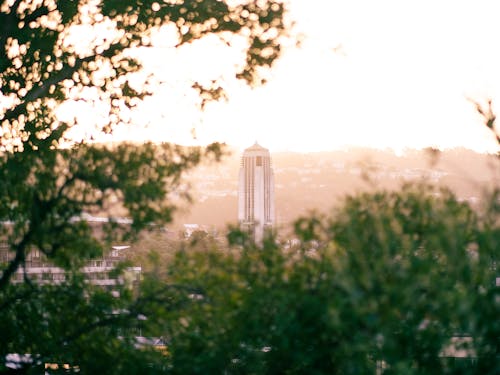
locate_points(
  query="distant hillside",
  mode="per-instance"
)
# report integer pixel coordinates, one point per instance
(315, 181)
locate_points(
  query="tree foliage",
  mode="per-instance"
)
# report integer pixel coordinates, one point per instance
(390, 281)
(52, 51)
(43, 61)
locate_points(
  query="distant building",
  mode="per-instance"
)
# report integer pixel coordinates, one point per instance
(99, 271)
(256, 210)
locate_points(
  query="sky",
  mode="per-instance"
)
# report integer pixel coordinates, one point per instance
(371, 73)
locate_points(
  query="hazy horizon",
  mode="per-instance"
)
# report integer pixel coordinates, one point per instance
(317, 180)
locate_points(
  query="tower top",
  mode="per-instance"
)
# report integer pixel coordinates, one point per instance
(255, 148)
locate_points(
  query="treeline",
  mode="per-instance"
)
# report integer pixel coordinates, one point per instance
(393, 282)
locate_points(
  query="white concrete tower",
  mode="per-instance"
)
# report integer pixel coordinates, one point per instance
(256, 210)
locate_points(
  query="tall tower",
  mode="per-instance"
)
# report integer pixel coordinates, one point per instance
(256, 191)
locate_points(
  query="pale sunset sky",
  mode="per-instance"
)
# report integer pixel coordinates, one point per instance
(377, 73)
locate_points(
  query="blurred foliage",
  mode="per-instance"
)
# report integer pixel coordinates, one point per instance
(386, 283)
(72, 323)
(53, 51)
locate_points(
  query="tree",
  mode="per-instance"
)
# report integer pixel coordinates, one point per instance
(49, 180)
(392, 282)
(395, 281)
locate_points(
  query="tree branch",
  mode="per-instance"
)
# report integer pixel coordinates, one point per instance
(42, 11)
(43, 88)
(110, 320)
(39, 212)
(16, 262)
(7, 21)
